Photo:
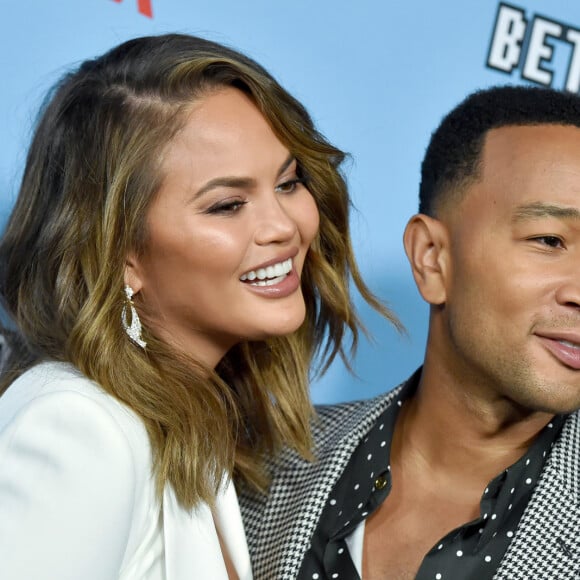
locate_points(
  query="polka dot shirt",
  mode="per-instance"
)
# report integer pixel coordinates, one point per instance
(473, 550)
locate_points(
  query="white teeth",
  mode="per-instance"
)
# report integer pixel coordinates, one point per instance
(270, 282)
(269, 275)
(568, 343)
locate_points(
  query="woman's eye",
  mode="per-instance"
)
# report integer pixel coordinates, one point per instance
(551, 241)
(225, 208)
(289, 186)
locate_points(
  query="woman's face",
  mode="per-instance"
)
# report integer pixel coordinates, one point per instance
(228, 233)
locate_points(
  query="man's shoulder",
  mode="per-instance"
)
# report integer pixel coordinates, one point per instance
(350, 421)
(279, 524)
(361, 407)
(336, 430)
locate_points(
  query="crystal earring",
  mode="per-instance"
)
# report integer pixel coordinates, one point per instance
(133, 328)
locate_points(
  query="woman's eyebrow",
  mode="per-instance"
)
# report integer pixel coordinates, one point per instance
(236, 182)
(288, 161)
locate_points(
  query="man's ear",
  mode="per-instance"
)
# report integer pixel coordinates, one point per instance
(426, 243)
(132, 276)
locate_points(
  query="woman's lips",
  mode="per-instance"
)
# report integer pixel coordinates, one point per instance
(287, 285)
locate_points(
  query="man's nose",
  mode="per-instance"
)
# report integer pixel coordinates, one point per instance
(568, 292)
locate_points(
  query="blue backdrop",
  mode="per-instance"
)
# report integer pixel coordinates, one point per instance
(376, 75)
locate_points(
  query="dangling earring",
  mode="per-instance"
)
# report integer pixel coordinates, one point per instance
(133, 329)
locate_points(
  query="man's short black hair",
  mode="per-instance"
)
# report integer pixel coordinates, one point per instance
(454, 151)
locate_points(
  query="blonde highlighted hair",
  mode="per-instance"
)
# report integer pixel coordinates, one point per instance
(92, 170)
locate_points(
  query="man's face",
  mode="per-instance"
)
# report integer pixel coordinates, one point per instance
(510, 322)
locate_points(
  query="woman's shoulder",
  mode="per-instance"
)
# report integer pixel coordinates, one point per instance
(72, 458)
(49, 377)
(59, 391)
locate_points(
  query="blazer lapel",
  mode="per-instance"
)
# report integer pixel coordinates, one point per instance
(229, 523)
(547, 542)
(192, 548)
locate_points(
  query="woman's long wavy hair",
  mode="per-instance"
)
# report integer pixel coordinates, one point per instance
(92, 170)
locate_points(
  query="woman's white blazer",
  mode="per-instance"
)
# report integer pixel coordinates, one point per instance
(77, 495)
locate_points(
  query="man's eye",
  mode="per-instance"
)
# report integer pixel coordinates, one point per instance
(551, 241)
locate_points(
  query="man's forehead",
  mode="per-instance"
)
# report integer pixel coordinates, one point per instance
(526, 172)
(520, 132)
(528, 149)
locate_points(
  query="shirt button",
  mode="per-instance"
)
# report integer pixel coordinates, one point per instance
(380, 482)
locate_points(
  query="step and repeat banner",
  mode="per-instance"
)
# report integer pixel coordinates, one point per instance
(376, 75)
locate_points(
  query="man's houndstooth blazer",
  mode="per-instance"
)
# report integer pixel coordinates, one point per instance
(546, 545)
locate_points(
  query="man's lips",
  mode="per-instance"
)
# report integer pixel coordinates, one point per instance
(563, 345)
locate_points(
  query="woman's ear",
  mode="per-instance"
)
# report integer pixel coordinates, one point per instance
(427, 247)
(132, 276)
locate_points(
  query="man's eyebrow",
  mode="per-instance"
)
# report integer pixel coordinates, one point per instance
(237, 182)
(541, 210)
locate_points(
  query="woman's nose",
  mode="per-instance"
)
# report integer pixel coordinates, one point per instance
(275, 224)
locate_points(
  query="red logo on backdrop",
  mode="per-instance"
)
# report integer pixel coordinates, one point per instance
(144, 7)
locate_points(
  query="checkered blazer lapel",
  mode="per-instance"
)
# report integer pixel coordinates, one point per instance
(547, 543)
(279, 527)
